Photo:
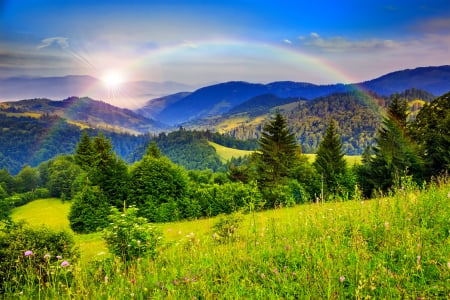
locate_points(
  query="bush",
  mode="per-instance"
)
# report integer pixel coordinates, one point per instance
(26, 255)
(129, 236)
(225, 228)
(24, 198)
(89, 212)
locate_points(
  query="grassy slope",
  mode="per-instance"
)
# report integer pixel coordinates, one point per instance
(396, 247)
(226, 154)
(53, 213)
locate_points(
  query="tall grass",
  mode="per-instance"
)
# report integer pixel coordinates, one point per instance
(392, 247)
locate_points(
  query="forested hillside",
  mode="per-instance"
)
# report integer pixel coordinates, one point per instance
(358, 114)
(30, 141)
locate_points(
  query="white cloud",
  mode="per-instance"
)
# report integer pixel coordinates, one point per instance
(287, 41)
(61, 41)
(314, 35)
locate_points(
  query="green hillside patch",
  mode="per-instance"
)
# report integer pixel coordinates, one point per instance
(53, 214)
(226, 153)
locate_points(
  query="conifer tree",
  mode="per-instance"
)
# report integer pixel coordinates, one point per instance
(84, 153)
(277, 152)
(330, 162)
(395, 154)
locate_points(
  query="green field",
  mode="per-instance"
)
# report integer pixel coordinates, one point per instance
(226, 154)
(392, 247)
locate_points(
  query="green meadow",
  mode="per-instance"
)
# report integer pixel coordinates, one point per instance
(395, 247)
(226, 153)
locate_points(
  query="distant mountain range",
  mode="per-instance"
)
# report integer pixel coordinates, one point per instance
(224, 97)
(130, 94)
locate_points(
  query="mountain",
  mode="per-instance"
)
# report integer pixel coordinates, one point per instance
(85, 112)
(261, 104)
(155, 106)
(435, 80)
(130, 94)
(220, 98)
(224, 97)
(358, 115)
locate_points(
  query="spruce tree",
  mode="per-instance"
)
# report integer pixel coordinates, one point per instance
(395, 154)
(330, 162)
(277, 152)
(84, 153)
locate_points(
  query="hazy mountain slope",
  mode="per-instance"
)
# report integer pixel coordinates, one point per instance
(86, 111)
(155, 106)
(128, 94)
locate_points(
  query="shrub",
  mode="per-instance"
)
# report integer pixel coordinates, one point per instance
(89, 211)
(225, 228)
(129, 236)
(26, 253)
(24, 198)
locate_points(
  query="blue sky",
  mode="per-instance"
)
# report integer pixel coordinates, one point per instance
(200, 42)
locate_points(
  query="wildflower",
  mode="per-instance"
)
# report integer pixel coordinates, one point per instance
(263, 276)
(275, 270)
(133, 281)
(106, 279)
(418, 259)
(46, 256)
(58, 256)
(294, 274)
(342, 278)
(448, 265)
(28, 253)
(64, 263)
(386, 225)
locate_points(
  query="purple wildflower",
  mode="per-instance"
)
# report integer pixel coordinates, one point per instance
(28, 253)
(58, 256)
(64, 263)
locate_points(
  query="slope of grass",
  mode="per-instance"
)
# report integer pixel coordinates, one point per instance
(226, 153)
(53, 214)
(396, 247)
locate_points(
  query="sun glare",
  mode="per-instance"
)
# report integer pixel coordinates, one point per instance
(113, 79)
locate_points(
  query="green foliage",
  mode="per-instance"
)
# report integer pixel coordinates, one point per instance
(225, 229)
(61, 172)
(89, 210)
(395, 154)
(23, 198)
(84, 152)
(131, 237)
(431, 130)
(26, 255)
(27, 179)
(104, 168)
(277, 154)
(330, 162)
(157, 185)
(215, 199)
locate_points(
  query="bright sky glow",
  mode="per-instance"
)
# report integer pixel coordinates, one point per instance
(201, 42)
(113, 79)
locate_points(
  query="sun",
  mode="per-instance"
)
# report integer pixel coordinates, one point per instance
(113, 79)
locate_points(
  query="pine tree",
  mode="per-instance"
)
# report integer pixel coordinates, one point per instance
(395, 154)
(431, 130)
(330, 162)
(277, 152)
(84, 153)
